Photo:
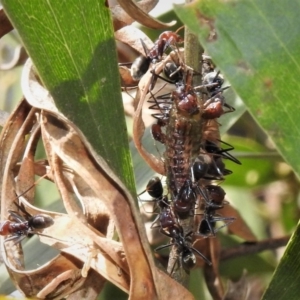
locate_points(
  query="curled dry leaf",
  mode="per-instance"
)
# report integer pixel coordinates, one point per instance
(39, 281)
(25, 179)
(66, 143)
(126, 78)
(52, 280)
(210, 247)
(238, 290)
(12, 138)
(211, 273)
(13, 255)
(142, 17)
(3, 117)
(89, 247)
(33, 91)
(13, 252)
(19, 58)
(138, 124)
(68, 146)
(121, 18)
(132, 36)
(91, 288)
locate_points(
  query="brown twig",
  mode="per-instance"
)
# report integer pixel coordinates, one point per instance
(253, 247)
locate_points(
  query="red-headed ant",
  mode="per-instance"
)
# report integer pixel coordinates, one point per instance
(17, 227)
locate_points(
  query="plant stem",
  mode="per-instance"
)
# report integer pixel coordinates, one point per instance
(193, 58)
(193, 53)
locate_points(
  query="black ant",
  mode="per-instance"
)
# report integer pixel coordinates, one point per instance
(184, 201)
(213, 148)
(209, 167)
(141, 64)
(186, 101)
(209, 164)
(213, 107)
(216, 201)
(169, 226)
(216, 79)
(180, 241)
(155, 190)
(165, 217)
(18, 227)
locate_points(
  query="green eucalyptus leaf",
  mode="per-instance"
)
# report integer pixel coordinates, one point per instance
(72, 46)
(285, 281)
(256, 46)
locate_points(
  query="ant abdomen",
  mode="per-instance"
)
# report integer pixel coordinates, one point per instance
(40, 221)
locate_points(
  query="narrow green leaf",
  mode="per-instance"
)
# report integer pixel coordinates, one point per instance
(285, 281)
(72, 46)
(256, 46)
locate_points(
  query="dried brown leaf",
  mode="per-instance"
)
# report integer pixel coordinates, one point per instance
(211, 273)
(126, 78)
(19, 58)
(62, 285)
(25, 179)
(3, 117)
(237, 290)
(170, 289)
(121, 18)
(42, 279)
(20, 124)
(86, 245)
(132, 36)
(92, 287)
(95, 211)
(140, 16)
(68, 146)
(138, 124)
(12, 142)
(34, 92)
(8, 133)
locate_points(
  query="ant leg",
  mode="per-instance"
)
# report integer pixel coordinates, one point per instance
(163, 247)
(202, 256)
(23, 210)
(228, 220)
(15, 238)
(16, 217)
